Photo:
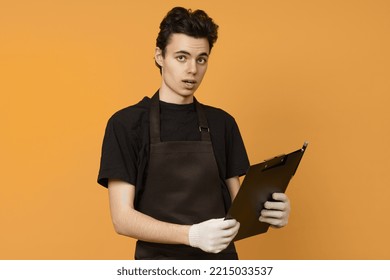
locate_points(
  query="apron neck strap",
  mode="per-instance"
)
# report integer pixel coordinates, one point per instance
(203, 124)
(154, 119)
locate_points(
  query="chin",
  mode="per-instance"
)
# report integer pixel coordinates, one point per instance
(187, 93)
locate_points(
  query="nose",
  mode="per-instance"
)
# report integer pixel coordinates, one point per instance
(192, 67)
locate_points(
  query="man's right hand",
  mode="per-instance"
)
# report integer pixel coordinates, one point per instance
(213, 235)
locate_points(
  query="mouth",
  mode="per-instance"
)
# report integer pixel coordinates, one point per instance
(190, 83)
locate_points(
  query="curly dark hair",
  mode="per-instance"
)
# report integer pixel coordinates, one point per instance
(196, 24)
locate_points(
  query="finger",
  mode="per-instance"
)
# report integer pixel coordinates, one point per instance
(273, 222)
(231, 232)
(221, 243)
(236, 230)
(217, 223)
(227, 224)
(228, 239)
(272, 214)
(280, 197)
(218, 220)
(225, 242)
(276, 205)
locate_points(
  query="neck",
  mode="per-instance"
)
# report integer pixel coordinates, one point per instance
(175, 98)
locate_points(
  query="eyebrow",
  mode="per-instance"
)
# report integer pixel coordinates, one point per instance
(187, 53)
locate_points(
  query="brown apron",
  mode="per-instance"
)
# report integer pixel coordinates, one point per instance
(182, 187)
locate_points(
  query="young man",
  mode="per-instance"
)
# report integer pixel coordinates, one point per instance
(172, 165)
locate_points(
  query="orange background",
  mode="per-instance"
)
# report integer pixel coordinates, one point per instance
(288, 71)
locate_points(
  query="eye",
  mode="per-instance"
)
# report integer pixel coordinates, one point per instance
(181, 58)
(202, 60)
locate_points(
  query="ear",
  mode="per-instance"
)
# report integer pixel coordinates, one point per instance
(158, 57)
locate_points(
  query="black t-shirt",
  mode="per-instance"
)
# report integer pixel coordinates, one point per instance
(125, 149)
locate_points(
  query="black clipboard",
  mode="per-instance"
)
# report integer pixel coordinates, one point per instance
(261, 181)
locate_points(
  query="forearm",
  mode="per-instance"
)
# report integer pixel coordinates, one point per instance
(130, 222)
(140, 226)
(233, 185)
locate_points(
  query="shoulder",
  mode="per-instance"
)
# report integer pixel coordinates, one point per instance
(132, 116)
(219, 115)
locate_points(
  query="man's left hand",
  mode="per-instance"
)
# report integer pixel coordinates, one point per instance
(276, 213)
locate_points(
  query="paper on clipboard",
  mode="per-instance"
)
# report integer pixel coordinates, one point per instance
(261, 181)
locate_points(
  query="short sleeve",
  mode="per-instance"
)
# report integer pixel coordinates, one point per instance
(237, 162)
(119, 154)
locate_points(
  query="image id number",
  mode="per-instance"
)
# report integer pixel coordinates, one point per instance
(240, 270)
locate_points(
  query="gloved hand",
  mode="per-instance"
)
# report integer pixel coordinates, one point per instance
(276, 212)
(213, 235)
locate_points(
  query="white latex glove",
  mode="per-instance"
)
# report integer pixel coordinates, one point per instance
(213, 235)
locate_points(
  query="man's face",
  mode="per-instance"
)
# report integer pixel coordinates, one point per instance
(183, 67)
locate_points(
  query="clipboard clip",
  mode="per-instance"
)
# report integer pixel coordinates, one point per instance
(274, 162)
(280, 159)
